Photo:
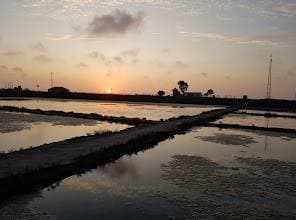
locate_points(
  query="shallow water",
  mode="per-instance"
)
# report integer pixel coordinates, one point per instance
(138, 110)
(260, 121)
(18, 130)
(271, 112)
(139, 187)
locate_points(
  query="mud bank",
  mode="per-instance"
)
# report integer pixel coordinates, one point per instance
(21, 170)
(91, 116)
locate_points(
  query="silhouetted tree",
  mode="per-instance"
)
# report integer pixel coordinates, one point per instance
(210, 92)
(176, 92)
(183, 86)
(161, 93)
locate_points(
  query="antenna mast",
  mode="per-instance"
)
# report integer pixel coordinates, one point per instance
(51, 80)
(268, 90)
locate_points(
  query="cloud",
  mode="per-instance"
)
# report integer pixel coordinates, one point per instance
(131, 53)
(39, 47)
(166, 50)
(100, 57)
(180, 65)
(93, 55)
(82, 65)
(228, 77)
(118, 59)
(204, 74)
(12, 53)
(3, 67)
(42, 58)
(18, 70)
(69, 9)
(281, 39)
(291, 73)
(117, 23)
(287, 8)
(14, 73)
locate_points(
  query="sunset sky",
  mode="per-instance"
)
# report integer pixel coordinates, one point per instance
(142, 46)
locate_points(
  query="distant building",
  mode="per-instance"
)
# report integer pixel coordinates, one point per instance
(194, 94)
(58, 91)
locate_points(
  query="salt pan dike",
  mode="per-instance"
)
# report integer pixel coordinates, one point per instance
(24, 168)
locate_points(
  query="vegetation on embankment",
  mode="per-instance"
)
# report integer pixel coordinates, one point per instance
(92, 116)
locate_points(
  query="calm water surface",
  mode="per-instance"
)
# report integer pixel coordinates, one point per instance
(18, 130)
(260, 121)
(133, 186)
(138, 110)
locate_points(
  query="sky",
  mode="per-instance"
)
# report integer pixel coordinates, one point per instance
(143, 46)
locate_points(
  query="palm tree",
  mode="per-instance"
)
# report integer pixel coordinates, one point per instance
(183, 86)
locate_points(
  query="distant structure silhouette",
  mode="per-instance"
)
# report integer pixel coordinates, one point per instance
(51, 80)
(268, 89)
(58, 91)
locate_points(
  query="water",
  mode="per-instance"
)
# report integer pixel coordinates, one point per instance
(271, 112)
(138, 110)
(136, 187)
(260, 121)
(18, 130)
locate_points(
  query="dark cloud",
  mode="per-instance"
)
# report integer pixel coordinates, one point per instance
(204, 74)
(99, 56)
(180, 65)
(117, 23)
(82, 65)
(118, 59)
(43, 58)
(39, 47)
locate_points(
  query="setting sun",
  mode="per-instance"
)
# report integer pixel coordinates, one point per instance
(109, 90)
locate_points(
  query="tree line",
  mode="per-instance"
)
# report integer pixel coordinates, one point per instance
(182, 90)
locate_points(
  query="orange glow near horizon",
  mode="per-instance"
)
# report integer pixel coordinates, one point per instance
(109, 90)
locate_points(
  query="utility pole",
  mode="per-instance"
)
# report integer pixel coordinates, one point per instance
(268, 89)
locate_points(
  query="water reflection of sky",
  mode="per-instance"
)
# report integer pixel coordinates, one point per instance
(133, 188)
(260, 121)
(138, 110)
(19, 130)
